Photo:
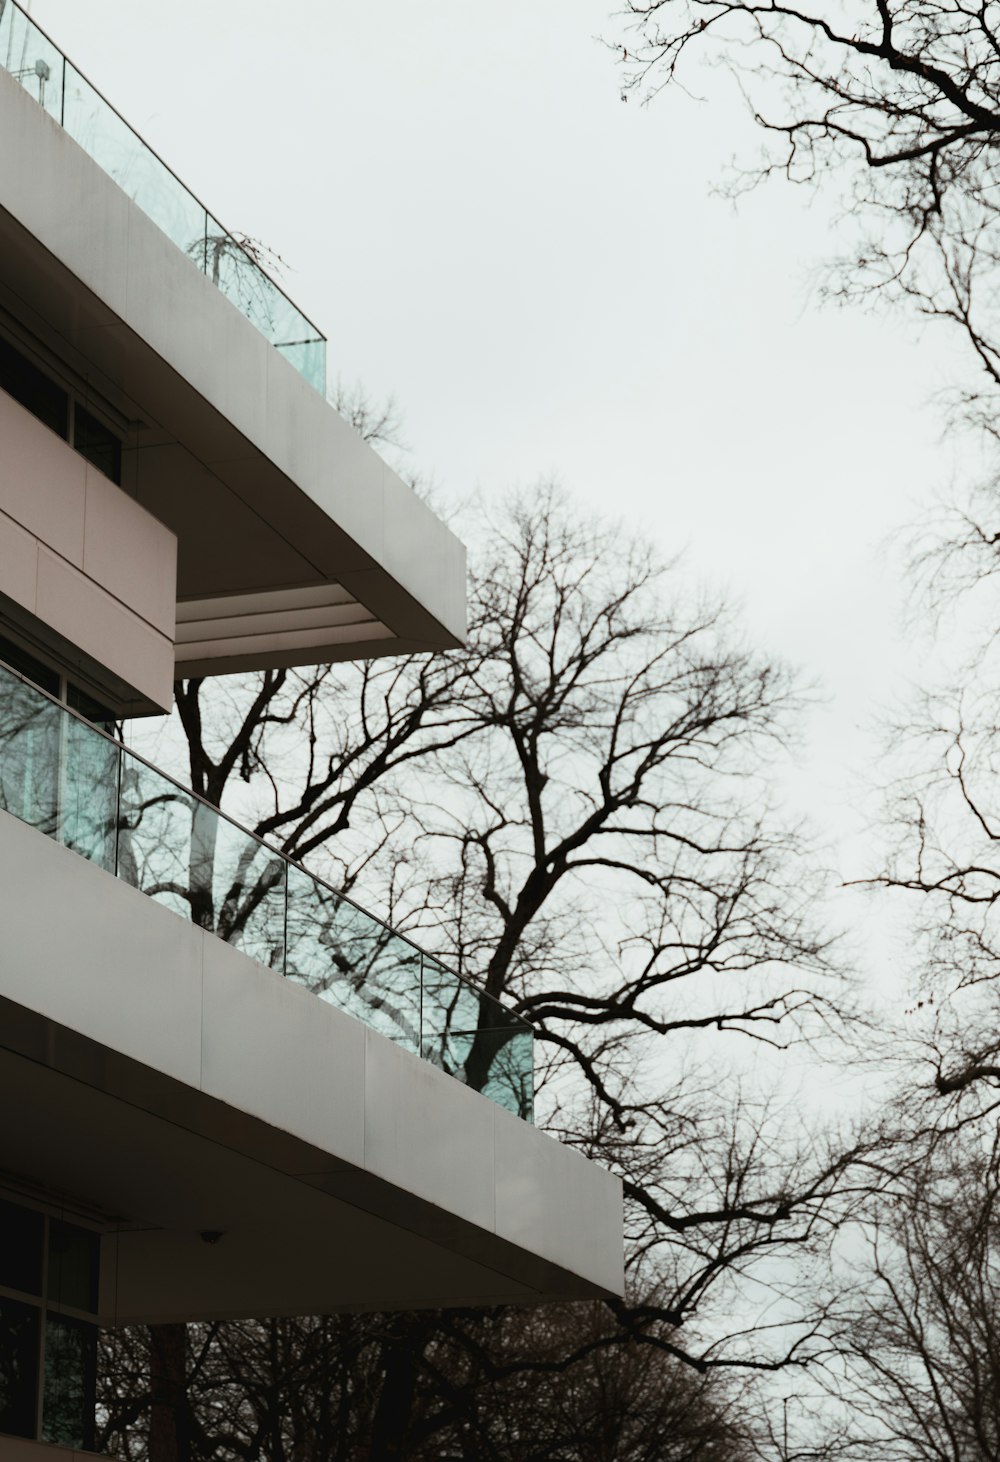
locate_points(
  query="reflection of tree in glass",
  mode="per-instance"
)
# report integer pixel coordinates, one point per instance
(57, 774)
(178, 850)
(475, 1039)
(357, 963)
(240, 267)
(29, 755)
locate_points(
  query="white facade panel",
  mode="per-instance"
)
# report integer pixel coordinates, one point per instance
(130, 554)
(172, 1081)
(90, 618)
(83, 559)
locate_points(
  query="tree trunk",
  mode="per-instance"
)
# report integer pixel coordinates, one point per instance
(169, 1433)
(395, 1403)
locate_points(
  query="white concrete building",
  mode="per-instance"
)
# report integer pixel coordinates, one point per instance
(257, 1112)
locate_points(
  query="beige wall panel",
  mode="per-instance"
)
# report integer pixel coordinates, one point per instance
(129, 553)
(275, 1050)
(566, 1204)
(18, 564)
(42, 481)
(98, 957)
(418, 555)
(427, 1133)
(90, 618)
(319, 450)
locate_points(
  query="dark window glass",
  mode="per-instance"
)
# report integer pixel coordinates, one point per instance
(70, 1382)
(18, 1368)
(93, 440)
(35, 671)
(80, 701)
(74, 1254)
(20, 1248)
(32, 387)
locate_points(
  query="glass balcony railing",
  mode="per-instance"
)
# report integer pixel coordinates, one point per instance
(63, 776)
(28, 55)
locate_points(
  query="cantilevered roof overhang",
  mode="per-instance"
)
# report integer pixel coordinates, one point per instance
(297, 544)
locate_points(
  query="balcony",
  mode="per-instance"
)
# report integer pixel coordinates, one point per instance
(32, 59)
(67, 779)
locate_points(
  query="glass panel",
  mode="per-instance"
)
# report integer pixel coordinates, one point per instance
(233, 268)
(89, 811)
(110, 141)
(510, 1072)
(472, 1037)
(31, 59)
(74, 1257)
(345, 956)
(70, 1382)
(21, 1232)
(83, 701)
(57, 774)
(19, 1335)
(29, 755)
(189, 857)
(309, 359)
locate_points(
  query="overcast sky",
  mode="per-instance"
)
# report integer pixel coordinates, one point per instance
(545, 279)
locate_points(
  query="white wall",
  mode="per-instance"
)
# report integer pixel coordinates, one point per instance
(84, 559)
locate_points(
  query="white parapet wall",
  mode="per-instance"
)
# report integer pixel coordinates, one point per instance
(178, 1088)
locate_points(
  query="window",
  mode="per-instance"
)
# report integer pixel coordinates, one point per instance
(93, 440)
(58, 686)
(22, 1246)
(98, 715)
(48, 1330)
(40, 395)
(30, 667)
(20, 1328)
(70, 1381)
(22, 379)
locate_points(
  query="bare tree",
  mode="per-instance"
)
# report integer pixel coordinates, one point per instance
(574, 813)
(920, 1369)
(552, 1383)
(892, 108)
